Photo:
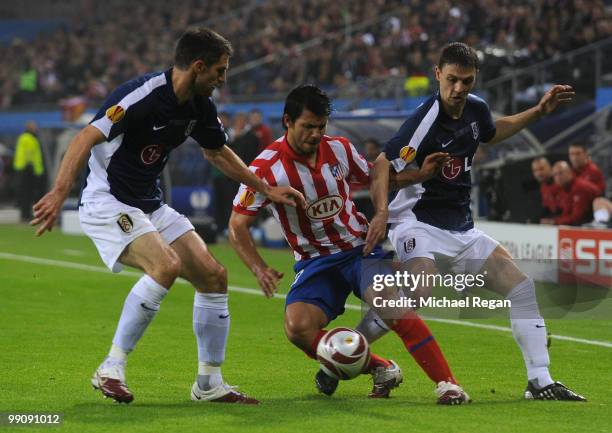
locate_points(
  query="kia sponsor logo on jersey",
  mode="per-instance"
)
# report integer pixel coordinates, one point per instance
(325, 208)
(585, 255)
(150, 154)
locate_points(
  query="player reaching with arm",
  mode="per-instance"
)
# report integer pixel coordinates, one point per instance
(327, 239)
(432, 221)
(122, 210)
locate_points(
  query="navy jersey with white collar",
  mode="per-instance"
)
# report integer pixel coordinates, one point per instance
(142, 122)
(443, 201)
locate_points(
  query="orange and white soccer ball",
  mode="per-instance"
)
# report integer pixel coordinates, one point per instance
(343, 353)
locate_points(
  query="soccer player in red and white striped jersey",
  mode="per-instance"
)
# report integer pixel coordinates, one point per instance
(327, 237)
(331, 222)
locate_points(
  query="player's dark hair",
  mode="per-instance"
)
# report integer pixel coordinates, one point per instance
(200, 43)
(309, 97)
(458, 53)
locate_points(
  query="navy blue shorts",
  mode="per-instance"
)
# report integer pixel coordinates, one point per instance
(327, 281)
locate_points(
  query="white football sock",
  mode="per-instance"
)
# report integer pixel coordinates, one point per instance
(117, 353)
(208, 376)
(372, 326)
(529, 331)
(139, 309)
(211, 321)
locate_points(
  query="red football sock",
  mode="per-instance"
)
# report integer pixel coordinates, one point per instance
(312, 353)
(417, 338)
(375, 362)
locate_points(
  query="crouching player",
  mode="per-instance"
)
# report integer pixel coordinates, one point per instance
(327, 239)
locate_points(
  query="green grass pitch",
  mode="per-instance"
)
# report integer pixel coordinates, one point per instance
(57, 320)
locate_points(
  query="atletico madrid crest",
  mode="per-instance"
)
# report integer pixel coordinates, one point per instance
(337, 171)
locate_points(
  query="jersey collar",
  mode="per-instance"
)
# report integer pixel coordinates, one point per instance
(288, 151)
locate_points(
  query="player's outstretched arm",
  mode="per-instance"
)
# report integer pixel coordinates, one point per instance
(432, 165)
(232, 166)
(379, 191)
(509, 125)
(48, 207)
(241, 240)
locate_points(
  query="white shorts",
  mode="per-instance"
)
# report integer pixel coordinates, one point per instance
(458, 252)
(113, 225)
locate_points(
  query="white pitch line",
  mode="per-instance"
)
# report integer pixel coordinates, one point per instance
(100, 269)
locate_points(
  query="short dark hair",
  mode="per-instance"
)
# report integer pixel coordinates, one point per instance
(200, 43)
(307, 96)
(458, 53)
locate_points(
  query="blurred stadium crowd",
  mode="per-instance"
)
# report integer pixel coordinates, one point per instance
(97, 45)
(351, 48)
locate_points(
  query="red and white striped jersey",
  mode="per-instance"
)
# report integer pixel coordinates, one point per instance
(331, 222)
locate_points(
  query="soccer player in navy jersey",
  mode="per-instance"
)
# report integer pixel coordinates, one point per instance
(327, 239)
(122, 209)
(430, 217)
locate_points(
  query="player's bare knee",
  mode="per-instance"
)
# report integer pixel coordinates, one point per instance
(217, 279)
(167, 269)
(299, 329)
(221, 277)
(501, 271)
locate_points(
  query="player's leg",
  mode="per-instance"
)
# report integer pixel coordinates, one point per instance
(304, 327)
(315, 299)
(414, 333)
(528, 327)
(125, 234)
(304, 323)
(415, 244)
(211, 318)
(161, 265)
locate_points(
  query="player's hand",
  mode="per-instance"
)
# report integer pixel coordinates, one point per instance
(46, 211)
(558, 94)
(286, 195)
(268, 279)
(433, 163)
(376, 231)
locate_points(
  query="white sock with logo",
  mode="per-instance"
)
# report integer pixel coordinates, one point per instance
(139, 309)
(211, 321)
(529, 331)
